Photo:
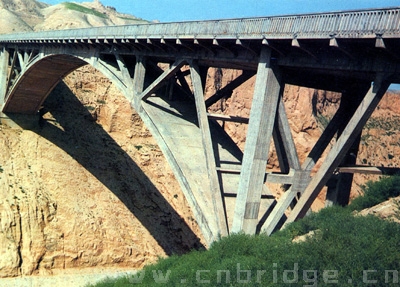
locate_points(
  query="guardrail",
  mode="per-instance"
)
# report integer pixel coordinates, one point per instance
(383, 22)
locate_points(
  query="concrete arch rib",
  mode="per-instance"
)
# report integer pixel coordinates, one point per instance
(44, 73)
(38, 80)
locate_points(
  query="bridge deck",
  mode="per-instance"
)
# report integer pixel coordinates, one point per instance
(340, 24)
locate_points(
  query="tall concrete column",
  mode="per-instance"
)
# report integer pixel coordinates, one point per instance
(4, 56)
(261, 125)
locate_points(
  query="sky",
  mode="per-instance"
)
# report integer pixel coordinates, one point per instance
(186, 10)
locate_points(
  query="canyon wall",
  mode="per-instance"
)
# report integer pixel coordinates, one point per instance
(87, 185)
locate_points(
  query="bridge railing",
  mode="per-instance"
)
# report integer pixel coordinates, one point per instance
(354, 24)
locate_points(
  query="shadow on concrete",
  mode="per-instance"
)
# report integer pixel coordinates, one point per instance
(84, 140)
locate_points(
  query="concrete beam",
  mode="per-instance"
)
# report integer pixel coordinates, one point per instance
(4, 57)
(340, 186)
(138, 81)
(216, 196)
(160, 80)
(262, 118)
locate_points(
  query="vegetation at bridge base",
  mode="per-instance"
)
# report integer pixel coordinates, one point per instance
(377, 192)
(340, 249)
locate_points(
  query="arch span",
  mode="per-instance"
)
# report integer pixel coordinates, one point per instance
(37, 81)
(44, 72)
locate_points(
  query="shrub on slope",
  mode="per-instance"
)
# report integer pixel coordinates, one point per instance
(339, 249)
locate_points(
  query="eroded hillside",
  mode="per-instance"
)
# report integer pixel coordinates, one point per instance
(87, 185)
(32, 15)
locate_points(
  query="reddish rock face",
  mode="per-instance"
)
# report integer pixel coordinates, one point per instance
(72, 192)
(309, 111)
(89, 188)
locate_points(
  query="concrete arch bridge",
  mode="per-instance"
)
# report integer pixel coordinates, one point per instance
(352, 52)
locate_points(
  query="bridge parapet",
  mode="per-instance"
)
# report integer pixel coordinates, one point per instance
(384, 22)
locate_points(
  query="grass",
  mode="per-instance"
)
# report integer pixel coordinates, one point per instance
(132, 18)
(323, 121)
(90, 108)
(377, 192)
(384, 124)
(345, 250)
(82, 9)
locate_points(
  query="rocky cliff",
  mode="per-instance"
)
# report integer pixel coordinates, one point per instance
(32, 15)
(87, 186)
(309, 111)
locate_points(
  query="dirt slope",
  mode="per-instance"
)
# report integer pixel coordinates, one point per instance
(87, 187)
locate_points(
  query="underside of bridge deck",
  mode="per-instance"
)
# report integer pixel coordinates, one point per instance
(164, 79)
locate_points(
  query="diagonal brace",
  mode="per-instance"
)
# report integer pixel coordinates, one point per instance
(282, 133)
(340, 148)
(163, 77)
(216, 196)
(227, 90)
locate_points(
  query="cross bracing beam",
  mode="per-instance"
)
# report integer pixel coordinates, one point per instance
(226, 92)
(160, 81)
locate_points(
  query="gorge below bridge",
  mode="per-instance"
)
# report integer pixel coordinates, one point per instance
(161, 68)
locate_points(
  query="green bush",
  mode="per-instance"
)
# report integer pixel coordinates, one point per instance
(83, 9)
(347, 250)
(341, 249)
(377, 192)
